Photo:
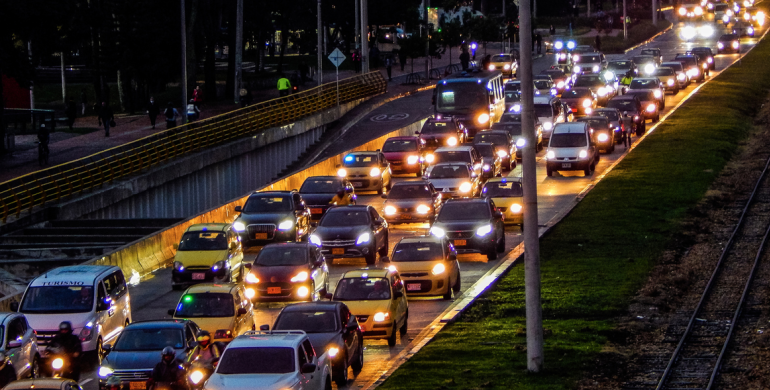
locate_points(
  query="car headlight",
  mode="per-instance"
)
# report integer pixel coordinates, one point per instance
(725, 19)
(636, 117)
(554, 91)
(670, 82)
(609, 75)
(390, 210)
(595, 68)
(178, 266)
(286, 225)
(105, 371)
(521, 142)
(300, 277)
(516, 208)
(411, 160)
(374, 172)
(583, 154)
(484, 230)
(491, 67)
(423, 209)
(196, 376)
(483, 118)
(251, 278)
(315, 240)
(587, 103)
(589, 110)
(342, 172)
(657, 93)
(710, 60)
(720, 45)
(333, 351)
(547, 125)
(502, 153)
(381, 317)
(438, 269)
(736, 44)
(303, 291)
(507, 66)
(57, 363)
(651, 107)
(575, 57)
(681, 77)
(706, 31)
(698, 11)
(363, 239)
(560, 84)
(601, 91)
(239, 226)
(558, 45)
(649, 68)
(571, 45)
(682, 11)
(451, 141)
(550, 155)
(576, 69)
(437, 231)
(465, 187)
(218, 265)
(250, 293)
(750, 30)
(603, 137)
(430, 158)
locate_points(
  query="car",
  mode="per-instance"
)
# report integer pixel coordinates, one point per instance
(581, 100)
(464, 154)
(352, 231)
(681, 72)
(505, 63)
(504, 145)
(549, 111)
(294, 271)
(560, 79)
(571, 149)
(223, 310)
(603, 88)
(667, 76)
(272, 360)
(653, 84)
(621, 67)
(690, 11)
(44, 384)
(693, 65)
(272, 216)
(512, 92)
(438, 132)
(545, 87)
(514, 129)
(19, 344)
(580, 49)
(318, 191)
(367, 171)
(377, 298)
(331, 328)
(602, 134)
(729, 43)
(743, 29)
(646, 64)
(654, 52)
(491, 165)
(428, 266)
(705, 54)
(631, 105)
(454, 180)
(471, 226)
(136, 351)
(207, 252)
(587, 63)
(649, 101)
(613, 115)
(411, 201)
(405, 155)
(508, 195)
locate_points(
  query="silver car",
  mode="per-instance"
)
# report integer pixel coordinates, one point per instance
(454, 180)
(19, 344)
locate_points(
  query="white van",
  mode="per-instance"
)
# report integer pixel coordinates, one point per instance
(94, 298)
(571, 148)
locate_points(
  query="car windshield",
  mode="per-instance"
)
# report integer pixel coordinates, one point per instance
(462, 95)
(417, 251)
(320, 186)
(342, 217)
(149, 339)
(513, 129)
(267, 204)
(642, 95)
(703, 52)
(510, 118)
(272, 360)
(511, 87)
(611, 115)
(576, 93)
(622, 104)
(555, 74)
(203, 241)
(410, 191)
(58, 299)
(588, 59)
(728, 37)
(431, 127)
(463, 211)
(512, 96)
(501, 58)
(687, 61)
(311, 321)
(663, 72)
(502, 189)
(360, 160)
(649, 52)
(543, 110)
(452, 156)
(643, 59)
(362, 289)
(449, 172)
(644, 84)
(485, 150)
(589, 81)
(596, 124)
(542, 84)
(205, 305)
(393, 145)
(497, 139)
(281, 255)
(676, 66)
(625, 65)
(568, 140)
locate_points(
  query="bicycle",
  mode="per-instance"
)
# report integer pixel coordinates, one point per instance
(42, 153)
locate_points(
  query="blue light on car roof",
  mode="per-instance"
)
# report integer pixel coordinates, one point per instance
(205, 228)
(505, 180)
(348, 158)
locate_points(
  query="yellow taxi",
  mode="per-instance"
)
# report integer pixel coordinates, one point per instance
(505, 63)
(508, 196)
(367, 171)
(221, 309)
(208, 252)
(427, 265)
(377, 298)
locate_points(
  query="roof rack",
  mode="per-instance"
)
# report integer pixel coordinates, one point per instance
(273, 332)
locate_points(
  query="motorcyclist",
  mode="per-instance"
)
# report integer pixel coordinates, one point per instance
(205, 352)
(169, 370)
(340, 199)
(627, 123)
(69, 344)
(626, 80)
(7, 372)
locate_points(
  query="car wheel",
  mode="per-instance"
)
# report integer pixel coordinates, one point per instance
(501, 242)
(392, 338)
(341, 377)
(328, 385)
(34, 370)
(587, 171)
(358, 364)
(458, 284)
(384, 250)
(370, 258)
(549, 172)
(404, 328)
(448, 294)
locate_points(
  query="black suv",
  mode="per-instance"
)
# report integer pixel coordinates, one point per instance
(472, 226)
(318, 191)
(352, 231)
(631, 105)
(273, 216)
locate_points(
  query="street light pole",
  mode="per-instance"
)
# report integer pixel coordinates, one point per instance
(654, 12)
(529, 182)
(238, 49)
(364, 37)
(319, 73)
(184, 60)
(625, 25)
(357, 34)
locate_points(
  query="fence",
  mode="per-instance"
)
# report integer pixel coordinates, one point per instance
(53, 184)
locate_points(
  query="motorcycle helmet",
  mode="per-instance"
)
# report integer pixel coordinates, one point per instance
(65, 327)
(168, 354)
(625, 113)
(203, 338)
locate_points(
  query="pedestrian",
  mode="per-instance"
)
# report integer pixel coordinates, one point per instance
(304, 73)
(83, 101)
(356, 57)
(284, 86)
(388, 67)
(626, 125)
(153, 110)
(539, 39)
(598, 42)
(70, 111)
(193, 113)
(374, 55)
(402, 59)
(465, 59)
(552, 30)
(198, 97)
(7, 371)
(171, 114)
(107, 118)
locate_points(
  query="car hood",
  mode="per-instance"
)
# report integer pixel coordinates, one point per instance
(48, 322)
(212, 324)
(405, 203)
(453, 226)
(317, 199)
(276, 274)
(368, 308)
(250, 381)
(440, 184)
(321, 341)
(341, 232)
(135, 360)
(416, 266)
(567, 152)
(399, 155)
(275, 218)
(200, 258)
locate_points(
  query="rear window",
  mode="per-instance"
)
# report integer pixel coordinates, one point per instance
(502, 190)
(272, 360)
(449, 172)
(343, 217)
(611, 115)
(513, 129)
(452, 156)
(595, 124)
(663, 72)
(568, 140)
(486, 150)
(588, 58)
(417, 251)
(321, 186)
(501, 58)
(588, 81)
(642, 95)
(400, 146)
(644, 84)
(620, 64)
(497, 139)
(410, 191)
(622, 104)
(576, 93)
(431, 127)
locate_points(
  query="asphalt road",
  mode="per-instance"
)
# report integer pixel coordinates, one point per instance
(153, 296)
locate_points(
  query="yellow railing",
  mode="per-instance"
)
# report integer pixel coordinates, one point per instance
(55, 183)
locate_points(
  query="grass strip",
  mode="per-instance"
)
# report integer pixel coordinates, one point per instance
(601, 254)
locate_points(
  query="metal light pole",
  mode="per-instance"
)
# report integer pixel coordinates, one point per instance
(364, 37)
(319, 73)
(654, 12)
(531, 240)
(184, 60)
(625, 25)
(238, 49)
(357, 34)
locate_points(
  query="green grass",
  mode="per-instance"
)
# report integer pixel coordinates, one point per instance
(601, 254)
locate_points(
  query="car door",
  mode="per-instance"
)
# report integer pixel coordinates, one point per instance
(105, 312)
(316, 378)
(349, 337)
(320, 269)
(385, 166)
(14, 345)
(379, 228)
(399, 305)
(235, 256)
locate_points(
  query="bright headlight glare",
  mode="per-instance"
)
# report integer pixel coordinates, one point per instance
(576, 69)
(670, 82)
(560, 84)
(342, 172)
(491, 67)
(451, 141)
(548, 125)
(583, 154)
(430, 158)
(595, 68)
(507, 66)
(57, 363)
(484, 230)
(105, 371)
(363, 239)
(315, 240)
(649, 68)
(550, 155)
(657, 93)
(485, 167)
(681, 77)
(651, 107)
(516, 208)
(438, 269)
(608, 75)
(374, 172)
(465, 187)
(706, 31)
(736, 45)
(558, 45)
(521, 142)
(601, 91)
(483, 118)
(286, 225)
(602, 137)
(303, 291)
(196, 376)
(502, 154)
(250, 293)
(251, 278)
(380, 316)
(437, 231)
(570, 45)
(682, 11)
(698, 11)
(587, 103)
(411, 160)
(390, 210)
(178, 266)
(300, 277)
(423, 209)
(688, 32)
(333, 351)
(720, 45)
(239, 226)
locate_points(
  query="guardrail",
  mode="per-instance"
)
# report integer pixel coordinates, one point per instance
(52, 184)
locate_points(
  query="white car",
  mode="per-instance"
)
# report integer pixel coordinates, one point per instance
(271, 360)
(19, 344)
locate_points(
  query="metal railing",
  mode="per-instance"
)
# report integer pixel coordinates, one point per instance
(55, 183)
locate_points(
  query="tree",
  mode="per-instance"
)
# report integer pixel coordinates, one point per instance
(452, 34)
(413, 47)
(484, 30)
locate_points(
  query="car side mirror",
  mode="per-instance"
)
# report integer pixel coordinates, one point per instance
(378, 222)
(171, 312)
(384, 196)
(308, 368)
(14, 344)
(351, 327)
(247, 266)
(498, 214)
(102, 306)
(435, 195)
(238, 209)
(241, 311)
(107, 348)
(319, 262)
(14, 306)
(398, 294)
(385, 259)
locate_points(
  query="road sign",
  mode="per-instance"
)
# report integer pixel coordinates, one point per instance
(336, 57)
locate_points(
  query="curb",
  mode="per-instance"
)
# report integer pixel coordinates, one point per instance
(665, 30)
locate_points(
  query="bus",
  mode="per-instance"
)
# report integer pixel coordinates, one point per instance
(474, 98)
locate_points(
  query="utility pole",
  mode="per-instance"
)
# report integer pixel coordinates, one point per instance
(319, 73)
(357, 34)
(63, 81)
(364, 37)
(625, 25)
(531, 239)
(654, 12)
(184, 60)
(427, 41)
(31, 85)
(534, 8)
(238, 50)
(588, 10)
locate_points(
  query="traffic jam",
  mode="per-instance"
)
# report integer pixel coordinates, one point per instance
(343, 260)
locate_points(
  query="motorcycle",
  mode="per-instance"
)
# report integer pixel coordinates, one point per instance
(152, 385)
(59, 364)
(198, 373)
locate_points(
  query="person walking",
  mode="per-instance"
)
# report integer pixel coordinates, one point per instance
(356, 57)
(171, 114)
(70, 111)
(198, 97)
(389, 67)
(153, 110)
(598, 41)
(107, 118)
(552, 30)
(539, 39)
(83, 102)
(284, 86)
(465, 59)
(304, 73)
(627, 124)
(193, 113)
(402, 59)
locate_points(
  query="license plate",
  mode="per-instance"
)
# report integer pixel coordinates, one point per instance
(574, 109)
(460, 242)
(316, 211)
(260, 236)
(413, 286)
(338, 251)
(137, 385)
(358, 184)
(273, 290)
(199, 276)
(406, 216)
(566, 165)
